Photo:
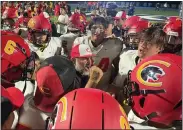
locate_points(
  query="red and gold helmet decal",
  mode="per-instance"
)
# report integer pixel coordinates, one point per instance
(31, 23)
(152, 78)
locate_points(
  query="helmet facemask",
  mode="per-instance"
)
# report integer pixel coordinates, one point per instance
(132, 41)
(174, 44)
(23, 71)
(7, 24)
(132, 89)
(40, 38)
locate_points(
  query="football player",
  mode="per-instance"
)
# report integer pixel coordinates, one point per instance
(11, 99)
(17, 64)
(105, 49)
(54, 77)
(152, 95)
(40, 39)
(88, 108)
(173, 29)
(17, 61)
(9, 18)
(152, 42)
(133, 34)
(76, 27)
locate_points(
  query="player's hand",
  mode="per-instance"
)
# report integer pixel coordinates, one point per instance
(95, 74)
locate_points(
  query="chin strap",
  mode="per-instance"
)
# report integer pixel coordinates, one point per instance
(177, 124)
(43, 47)
(152, 115)
(46, 124)
(25, 86)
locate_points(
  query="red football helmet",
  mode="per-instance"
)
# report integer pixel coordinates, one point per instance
(17, 63)
(138, 26)
(130, 21)
(22, 22)
(133, 33)
(39, 25)
(154, 92)
(174, 28)
(88, 108)
(9, 17)
(174, 34)
(173, 18)
(79, 21)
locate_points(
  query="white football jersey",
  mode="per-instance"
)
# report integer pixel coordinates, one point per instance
(31, 117)
(62, 28)
(137, 123)
(105, 54)
(127, 62)
(69, 37)
(15, 121)
(49, 51)
(29, 90)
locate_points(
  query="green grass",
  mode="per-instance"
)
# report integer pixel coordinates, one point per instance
(150, 11)
(153, 12)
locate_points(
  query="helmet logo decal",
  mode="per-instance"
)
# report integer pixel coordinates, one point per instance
(81, 18)
(153, 73)
(31, 23)
(16, 13)
(150, 74)
(10, 47)
(123, 120)
(63, 101)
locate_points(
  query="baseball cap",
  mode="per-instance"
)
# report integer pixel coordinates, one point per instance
(120, 15)
(81, 50)
(11, 99)
(54, 78)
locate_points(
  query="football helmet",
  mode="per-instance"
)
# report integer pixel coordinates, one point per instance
(174, 34)
(154, 92)
(9, 18)
(130, 21)
(172, 19)
(37, 27)
(133, 33)
(78, 21)
(17, 62)
(88, 108)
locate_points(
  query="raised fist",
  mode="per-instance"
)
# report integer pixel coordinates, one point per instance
(95, 74)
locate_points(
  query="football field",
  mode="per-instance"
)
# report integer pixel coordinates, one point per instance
(145, 12)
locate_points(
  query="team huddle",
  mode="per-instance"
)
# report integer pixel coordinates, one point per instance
(121, 72)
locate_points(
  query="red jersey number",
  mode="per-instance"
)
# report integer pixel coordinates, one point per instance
(104, 64)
